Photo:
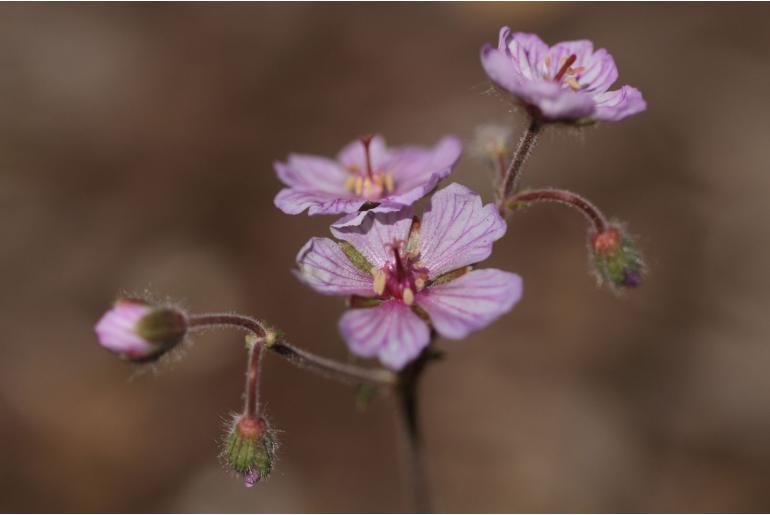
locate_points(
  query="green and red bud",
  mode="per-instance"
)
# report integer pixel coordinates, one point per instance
(616, 258)
(249, 449)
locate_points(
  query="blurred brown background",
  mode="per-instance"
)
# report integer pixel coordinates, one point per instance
(136, 144)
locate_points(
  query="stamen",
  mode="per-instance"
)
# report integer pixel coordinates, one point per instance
(379, 281)
(366, 141)
(564, 67)
(419, 283)
(408, 296)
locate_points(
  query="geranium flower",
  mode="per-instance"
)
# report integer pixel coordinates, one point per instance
(366, 173)
(405, 275)
(567, 82)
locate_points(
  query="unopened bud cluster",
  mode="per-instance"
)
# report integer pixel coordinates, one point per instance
(616, 258)
(249, 449)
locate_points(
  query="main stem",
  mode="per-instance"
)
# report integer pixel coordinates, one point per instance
(349, 374)
(510, 182)
(409, 379)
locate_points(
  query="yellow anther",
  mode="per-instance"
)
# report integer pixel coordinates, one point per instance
(419, 283)
(379, 281)
(572, 83)
(389, 184)
(359, 186)
(350, 183)
(408, 296)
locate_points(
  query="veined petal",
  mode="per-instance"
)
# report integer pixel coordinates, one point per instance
(457, 230)
(390, 331)
(293, 202)
(323, 266)
(621, 103)
(354, 156)
(527, 52)
(470, 302)
(413, 167)
(314, 173)
(599, 73)
(500, 68)
(555, 102)
(373, 236)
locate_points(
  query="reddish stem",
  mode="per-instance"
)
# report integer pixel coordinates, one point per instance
(252, 380)
(568, 198)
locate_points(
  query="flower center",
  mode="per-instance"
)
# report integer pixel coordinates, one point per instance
(566, 73)
(402, 277)
(369, 183)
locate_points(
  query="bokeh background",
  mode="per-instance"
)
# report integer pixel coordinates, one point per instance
(136, 144)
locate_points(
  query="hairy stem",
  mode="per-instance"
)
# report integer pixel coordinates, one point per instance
(348, 374)
(568, 198)
(409, 379)
(253, 378)
(510, 182)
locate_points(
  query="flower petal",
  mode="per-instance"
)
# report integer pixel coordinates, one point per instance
(413, 167)
(621, 103)
(354, 156)
(314, 173)
(527, 52)
(390, 331)
(375, 233)
(457, 230)
(555, 102)
(470, 302)
(500, 68)
(293, 202)
(324, 267)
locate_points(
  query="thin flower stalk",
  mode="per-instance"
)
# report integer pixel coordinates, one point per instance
(348, 374)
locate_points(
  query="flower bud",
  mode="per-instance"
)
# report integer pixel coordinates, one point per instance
(138, 331)
(616, 257)
(249, 449)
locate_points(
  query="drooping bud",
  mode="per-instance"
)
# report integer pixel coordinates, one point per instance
(616, 258)
(138, 331)
(249, 449)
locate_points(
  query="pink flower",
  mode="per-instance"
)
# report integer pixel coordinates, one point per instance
(138, 331)
(365, 173)
(567, 82)
(413, 275)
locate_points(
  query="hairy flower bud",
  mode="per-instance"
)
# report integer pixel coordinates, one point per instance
(138, 331)
(249, 449)
(616, 257)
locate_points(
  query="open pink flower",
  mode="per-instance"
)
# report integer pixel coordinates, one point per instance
(567, 82)
(366, 172)
(405, 275)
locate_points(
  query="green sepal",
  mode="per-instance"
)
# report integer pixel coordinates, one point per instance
(451, 276)
(163, 327)
(355, 257)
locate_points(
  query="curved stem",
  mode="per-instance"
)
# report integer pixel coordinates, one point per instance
(568, 198)
(409, 379)
(349, 374)
(510, 182)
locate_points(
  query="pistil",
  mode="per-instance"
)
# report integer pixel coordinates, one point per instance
(564, 67)
(366, 142)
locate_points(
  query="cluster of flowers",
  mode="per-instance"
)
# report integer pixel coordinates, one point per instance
(410, 274)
